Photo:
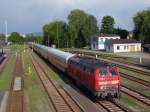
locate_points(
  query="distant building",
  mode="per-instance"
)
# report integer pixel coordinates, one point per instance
(21, 34)
(98, 41)
(123, 45)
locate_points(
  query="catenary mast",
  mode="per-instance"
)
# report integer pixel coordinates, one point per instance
(6, 40)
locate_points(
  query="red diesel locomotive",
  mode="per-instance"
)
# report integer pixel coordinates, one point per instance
(99, 77)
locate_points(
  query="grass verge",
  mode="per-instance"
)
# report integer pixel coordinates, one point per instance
(6, 76)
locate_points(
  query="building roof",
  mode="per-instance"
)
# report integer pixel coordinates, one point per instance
(122, 41)
(107, 35)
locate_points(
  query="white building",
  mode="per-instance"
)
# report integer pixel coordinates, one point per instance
(23, 35)
(123, 45)
(98, 42)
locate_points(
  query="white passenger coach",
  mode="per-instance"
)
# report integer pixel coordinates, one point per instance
(56, 57)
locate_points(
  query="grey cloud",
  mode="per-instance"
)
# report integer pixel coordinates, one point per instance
(30, 15)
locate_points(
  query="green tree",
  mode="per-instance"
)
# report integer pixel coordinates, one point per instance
(46, 34)
(16, 38)
(81, 26)
(39, 39)
(90, 28)
(76, 22)
(33, 38)
(55, 33)
(142, 26)
(121, 32)
(30, 38)
(107, 26)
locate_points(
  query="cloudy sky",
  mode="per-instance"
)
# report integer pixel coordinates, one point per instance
(27, 16)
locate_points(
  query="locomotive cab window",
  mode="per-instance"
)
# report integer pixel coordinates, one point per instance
(112, 72)
(102, 72)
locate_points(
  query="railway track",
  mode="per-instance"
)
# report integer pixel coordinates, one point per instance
(61, 101)
(113, 106)
(134, 68)
(132, 78)
(116, 106)
(15, 98)
(138, 96)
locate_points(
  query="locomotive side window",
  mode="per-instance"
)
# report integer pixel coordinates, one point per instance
(102, 72)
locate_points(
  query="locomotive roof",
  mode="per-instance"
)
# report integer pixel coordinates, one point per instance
(91, 62)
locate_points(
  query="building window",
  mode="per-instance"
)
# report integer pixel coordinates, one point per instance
(108, 47)
(125, 47)
(138, 48)
(101, 39)
(93, 45)
(118, 47)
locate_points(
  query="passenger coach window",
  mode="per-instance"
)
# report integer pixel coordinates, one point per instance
(102, 72)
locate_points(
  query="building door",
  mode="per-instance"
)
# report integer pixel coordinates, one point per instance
(138, 48)
(132, 48)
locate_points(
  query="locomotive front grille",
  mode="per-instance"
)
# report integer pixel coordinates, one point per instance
(107, 91)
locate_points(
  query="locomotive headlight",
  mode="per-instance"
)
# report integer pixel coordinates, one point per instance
(116, 85)
(108, 82)
(115, 82)
(103, 87)
(103, 82)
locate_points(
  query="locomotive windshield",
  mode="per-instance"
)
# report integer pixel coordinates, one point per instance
(102, 72)
(112, 72)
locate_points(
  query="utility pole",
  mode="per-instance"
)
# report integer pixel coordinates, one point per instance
(48, 41)
(6, 40)
(67, 46)
(57, 35)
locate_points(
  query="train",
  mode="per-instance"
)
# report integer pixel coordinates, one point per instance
(2, 57)
(100, 78)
